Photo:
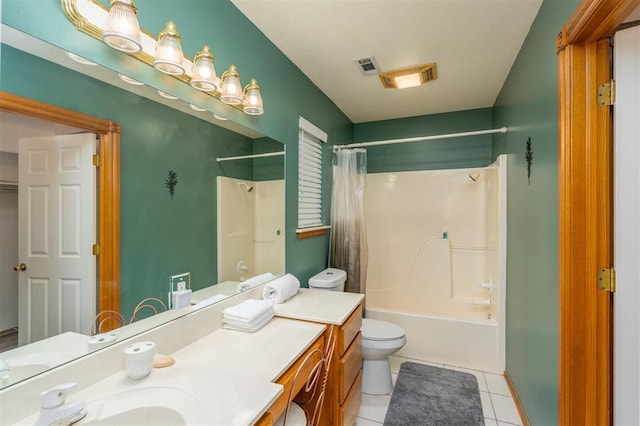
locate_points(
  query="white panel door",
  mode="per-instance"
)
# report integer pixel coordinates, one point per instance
(56, 235)
(627, 227)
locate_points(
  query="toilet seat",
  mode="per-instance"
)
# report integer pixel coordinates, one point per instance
(377, 330)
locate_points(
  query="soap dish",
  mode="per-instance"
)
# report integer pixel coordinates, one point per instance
(161, 361)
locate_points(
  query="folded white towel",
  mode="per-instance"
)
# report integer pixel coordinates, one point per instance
(281, 289)
(248, 310)
(249, 324)
(255, 281)
(251, 329)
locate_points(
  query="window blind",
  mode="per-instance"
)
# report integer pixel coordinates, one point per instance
(310, 175)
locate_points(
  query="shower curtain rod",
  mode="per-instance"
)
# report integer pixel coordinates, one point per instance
(422, 138)
(242, 157)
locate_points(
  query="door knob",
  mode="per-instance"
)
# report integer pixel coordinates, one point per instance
(20, 267)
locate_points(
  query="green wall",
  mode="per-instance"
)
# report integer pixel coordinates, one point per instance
(233, 39)
(528, 104)
(473, 151)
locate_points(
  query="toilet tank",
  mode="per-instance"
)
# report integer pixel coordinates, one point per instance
(329, 279)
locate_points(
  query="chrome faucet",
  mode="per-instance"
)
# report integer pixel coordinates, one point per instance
(54, 410)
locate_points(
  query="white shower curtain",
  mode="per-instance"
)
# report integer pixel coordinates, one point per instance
(348, 246)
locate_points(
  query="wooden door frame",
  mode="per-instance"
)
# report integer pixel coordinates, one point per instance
(108, 197)
(586, 208)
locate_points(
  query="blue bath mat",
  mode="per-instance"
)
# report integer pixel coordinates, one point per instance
(432, 396)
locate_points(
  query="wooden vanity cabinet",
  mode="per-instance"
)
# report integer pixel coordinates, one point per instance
(344, 388)
(287, 381)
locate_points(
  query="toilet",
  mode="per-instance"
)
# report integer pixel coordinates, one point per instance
(380, 339)
(330, 279)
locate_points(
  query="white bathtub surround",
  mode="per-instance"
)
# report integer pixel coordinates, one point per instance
(253, 243)
(348, 245)
(430, 263)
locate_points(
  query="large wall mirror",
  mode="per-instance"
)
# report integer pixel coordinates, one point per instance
(176, 182)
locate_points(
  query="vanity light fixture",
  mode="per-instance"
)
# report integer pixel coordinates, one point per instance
(252, 99)
(118, 27)
(231, 91)
(122, 31)
(203, 73)
(169, 52)
(408, 77)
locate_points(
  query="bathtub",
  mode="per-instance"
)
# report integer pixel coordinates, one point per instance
(469, 343)
(437, 262)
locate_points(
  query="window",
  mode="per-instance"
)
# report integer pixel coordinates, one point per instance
(310, 142)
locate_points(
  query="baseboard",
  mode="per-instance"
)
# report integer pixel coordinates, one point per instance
(514, 395)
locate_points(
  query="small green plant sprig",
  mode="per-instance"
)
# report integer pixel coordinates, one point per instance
(171, 182)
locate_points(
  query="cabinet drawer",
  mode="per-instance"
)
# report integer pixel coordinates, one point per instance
(350, 366)
(349, 410)
(348, 331)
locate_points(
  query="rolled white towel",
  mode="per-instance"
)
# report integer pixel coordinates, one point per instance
(255, 281)
(248, 310)
(281, 289)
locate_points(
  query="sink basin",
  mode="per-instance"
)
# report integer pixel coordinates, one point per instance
(25, 366)
(145, 406)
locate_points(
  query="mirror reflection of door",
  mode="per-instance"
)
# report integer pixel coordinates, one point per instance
(63, 309)
(56, 232)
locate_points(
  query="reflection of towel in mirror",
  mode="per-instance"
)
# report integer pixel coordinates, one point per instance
(209, 301)
(255, 281)
(247, 311)
(281, 289)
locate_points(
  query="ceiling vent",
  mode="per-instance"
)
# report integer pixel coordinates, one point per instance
(408, 77)
(368, 65)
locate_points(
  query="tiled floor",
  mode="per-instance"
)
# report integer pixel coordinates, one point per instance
(497, 403)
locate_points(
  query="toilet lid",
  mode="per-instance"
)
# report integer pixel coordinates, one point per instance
(373, 329)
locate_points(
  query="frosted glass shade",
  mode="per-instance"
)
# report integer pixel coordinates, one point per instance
(122, 31)
(169, 57)
(203, 73)
(252, 103)
(231, 91)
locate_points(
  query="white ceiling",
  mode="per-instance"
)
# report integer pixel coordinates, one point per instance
(473, 43)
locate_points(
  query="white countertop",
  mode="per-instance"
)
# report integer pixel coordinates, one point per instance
(229, 372)
(330, 307)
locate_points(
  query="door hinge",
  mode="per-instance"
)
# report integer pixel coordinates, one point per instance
(96, 160)
(607, 280)
(607, 93)
(96, 249)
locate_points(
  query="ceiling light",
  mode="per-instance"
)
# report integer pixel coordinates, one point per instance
(130, 80)
(169, 55)
(196, 108)
(203, 73)
(80, 59)
(166, 95)
(408, 77)
(252, 101)
(231, 91)
(219, 117)
(122, 30)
